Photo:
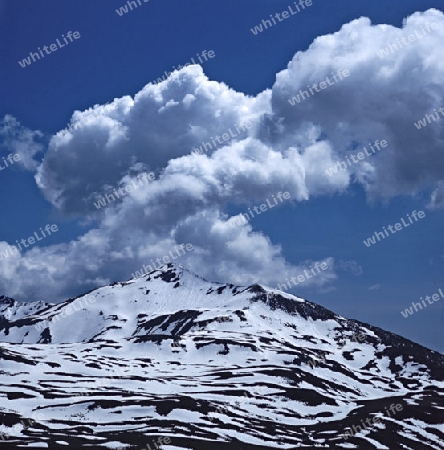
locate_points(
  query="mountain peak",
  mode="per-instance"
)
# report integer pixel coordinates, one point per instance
(215, 362)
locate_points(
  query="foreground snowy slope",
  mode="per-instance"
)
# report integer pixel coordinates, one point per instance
(209, 366)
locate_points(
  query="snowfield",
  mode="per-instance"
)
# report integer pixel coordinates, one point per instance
(210, 366)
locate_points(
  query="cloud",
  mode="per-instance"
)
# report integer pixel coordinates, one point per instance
(351, 267)
(162, 122)
(437, 197)
(18, 139)
(381, 99)
(375, 287)
(244, 256)
(287, 148)
(221, 253)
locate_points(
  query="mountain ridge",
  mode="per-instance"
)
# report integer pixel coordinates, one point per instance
(211, 365)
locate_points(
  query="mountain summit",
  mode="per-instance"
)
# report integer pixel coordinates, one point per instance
(174, 361)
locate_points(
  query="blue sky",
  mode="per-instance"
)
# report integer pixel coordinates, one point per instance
(116, 56)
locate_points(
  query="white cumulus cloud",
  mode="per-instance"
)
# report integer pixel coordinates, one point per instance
(287, 148)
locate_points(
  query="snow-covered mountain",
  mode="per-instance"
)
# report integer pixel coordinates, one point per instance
(172, 358)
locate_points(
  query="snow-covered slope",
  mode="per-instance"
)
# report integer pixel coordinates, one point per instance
(209, 366)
